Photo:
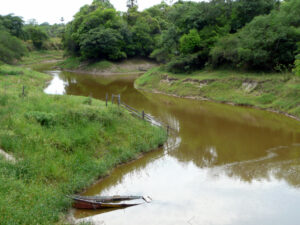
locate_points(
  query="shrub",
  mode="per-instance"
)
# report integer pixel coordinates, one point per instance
(11, 48)
(183, 63)
(45, 119)
(10, 71)
(70, 63)
(37, 36)
(3, 100)
(189, 43)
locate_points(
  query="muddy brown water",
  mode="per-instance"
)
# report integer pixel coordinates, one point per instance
(227, 165)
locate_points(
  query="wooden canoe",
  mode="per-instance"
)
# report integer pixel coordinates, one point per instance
(114, 198)
(92, 204)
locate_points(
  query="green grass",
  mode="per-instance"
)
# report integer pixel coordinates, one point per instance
(74, 63)
(36, 57)
(102, 65)
(70, 63)
(279, 91)
(62, 144)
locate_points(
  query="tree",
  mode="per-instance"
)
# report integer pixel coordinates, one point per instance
(95, 31)
(131, 3)
(36, 35)
(267, 42)
(11, 48)
(244, 11)
(13, 24)
(101, 44)
(190, 43)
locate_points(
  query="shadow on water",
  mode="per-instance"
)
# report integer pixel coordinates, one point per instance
(228, 165)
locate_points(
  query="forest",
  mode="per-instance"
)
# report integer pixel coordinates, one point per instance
(259, 35)
(253, 35)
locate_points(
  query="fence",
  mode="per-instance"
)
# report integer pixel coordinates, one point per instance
(141, 115)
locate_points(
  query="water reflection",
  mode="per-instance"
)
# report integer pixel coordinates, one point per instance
(228, 165)
(57, 85)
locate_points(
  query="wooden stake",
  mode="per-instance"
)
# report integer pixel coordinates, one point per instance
(23, 91)
(106, 99)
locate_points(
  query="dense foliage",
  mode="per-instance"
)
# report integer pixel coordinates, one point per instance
(268, 42)
(99, 31)
(257, 34)
(16, 38)
(11, 48)
(36, 36)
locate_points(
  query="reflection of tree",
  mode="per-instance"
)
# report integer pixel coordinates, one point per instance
(98, 86)
(236, 140)
(280, 163)
(135, 168)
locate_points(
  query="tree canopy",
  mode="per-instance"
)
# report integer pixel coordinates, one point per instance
(257, 34)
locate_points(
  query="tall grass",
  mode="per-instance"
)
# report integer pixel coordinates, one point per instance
(62, 145)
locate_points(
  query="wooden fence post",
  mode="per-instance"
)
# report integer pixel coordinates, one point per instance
(143, 114)
(23, 91)
(119, 100)
(106, 99)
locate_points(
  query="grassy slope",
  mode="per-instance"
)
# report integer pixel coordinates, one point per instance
(63, 143)
(276, 91)
(35, 57)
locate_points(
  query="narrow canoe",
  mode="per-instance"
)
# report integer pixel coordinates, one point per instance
(106, 198)
(92, 204)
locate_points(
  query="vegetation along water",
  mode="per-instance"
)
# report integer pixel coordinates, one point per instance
(224, 164)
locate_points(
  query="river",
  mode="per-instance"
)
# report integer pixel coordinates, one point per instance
(227, 165)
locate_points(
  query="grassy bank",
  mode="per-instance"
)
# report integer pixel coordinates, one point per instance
(36, 57)
(61, 143)
(127, 66)
(280, 92)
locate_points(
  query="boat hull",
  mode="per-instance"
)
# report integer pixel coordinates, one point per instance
(85, 204)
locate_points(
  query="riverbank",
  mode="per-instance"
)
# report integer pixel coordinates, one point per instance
(104, 67)
(275, 92)
(61, 144)
(43, 56)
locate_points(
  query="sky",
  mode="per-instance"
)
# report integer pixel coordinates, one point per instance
(52, 10)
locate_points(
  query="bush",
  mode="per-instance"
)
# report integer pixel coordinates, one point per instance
(11, 48)
(183, 63)
(37, 36)
(45, 119)
(102, 43)
(70, 63)
(3, 100)
(189, 43)
(4, 70)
